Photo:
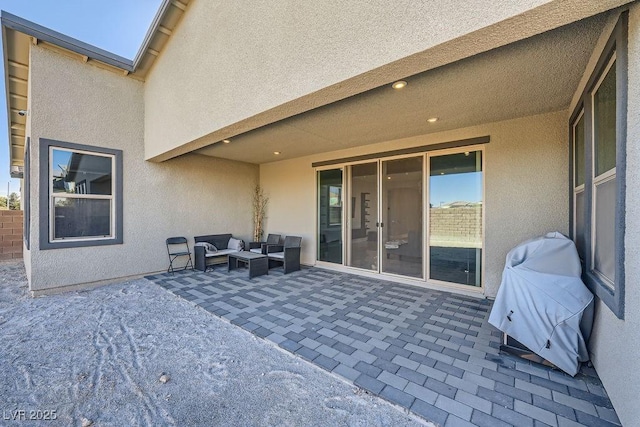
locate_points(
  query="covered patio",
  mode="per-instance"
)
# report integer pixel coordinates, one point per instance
(430, 352)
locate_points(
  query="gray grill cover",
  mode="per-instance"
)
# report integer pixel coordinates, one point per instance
(551, 310)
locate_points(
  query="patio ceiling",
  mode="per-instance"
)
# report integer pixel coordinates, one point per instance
(533, 76)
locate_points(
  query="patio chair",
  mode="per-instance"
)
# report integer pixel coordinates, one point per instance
(261, 247)
(288, 254)
(178, 247)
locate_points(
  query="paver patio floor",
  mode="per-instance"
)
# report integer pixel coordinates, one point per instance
(428, 351)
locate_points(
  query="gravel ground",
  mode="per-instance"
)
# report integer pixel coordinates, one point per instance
(133, 354)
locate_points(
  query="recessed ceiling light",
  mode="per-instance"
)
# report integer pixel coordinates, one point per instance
(432, 120)
(226, 141)
(276, 153)
(388, 177)
(399, 84)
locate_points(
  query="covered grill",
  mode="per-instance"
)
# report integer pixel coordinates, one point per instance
(543, 303)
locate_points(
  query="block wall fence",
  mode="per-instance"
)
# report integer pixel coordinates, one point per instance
(459, 226)
(10, 235)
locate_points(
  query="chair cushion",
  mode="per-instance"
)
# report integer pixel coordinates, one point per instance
(219, 240)
(208, 247)
(235, 244)
(221, 252)
(276, 255)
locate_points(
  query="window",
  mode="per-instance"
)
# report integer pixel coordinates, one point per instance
(26, 203)
(330, 215)
(335, 205)
(604, 176)
(81, 199)
(598, 135)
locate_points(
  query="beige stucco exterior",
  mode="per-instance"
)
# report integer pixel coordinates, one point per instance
(230, 67)
(188, 196)
(234, 66)
(615, 343)
(521, 201)
(26, 250)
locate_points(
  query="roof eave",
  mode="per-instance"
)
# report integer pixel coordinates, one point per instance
(6, 92)
(153, 28)
(47, 35)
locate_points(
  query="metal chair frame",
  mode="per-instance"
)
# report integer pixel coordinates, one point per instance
(172, 243)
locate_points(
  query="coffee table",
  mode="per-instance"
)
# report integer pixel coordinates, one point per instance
(258, 264)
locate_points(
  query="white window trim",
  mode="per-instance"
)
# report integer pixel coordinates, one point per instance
(604, 177)
(53, 196)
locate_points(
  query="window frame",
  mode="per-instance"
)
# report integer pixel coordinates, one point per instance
(604, 177)
(47, 196)
(26, 203)
(615, 51)
(575, 188)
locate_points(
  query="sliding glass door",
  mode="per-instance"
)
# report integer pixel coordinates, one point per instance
(402, 216)
(417, 216)
(330, 216)
(455, 217)
(362, 250)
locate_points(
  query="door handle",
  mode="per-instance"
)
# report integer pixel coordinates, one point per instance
(379, 224)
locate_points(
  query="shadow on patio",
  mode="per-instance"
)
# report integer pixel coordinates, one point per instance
(428, 351)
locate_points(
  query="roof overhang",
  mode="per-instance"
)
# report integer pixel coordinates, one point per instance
(16, 78)
(533, 76)
(18, 34)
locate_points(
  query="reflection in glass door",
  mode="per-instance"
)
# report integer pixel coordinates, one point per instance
(330, 216)
(362, 251)
(402, 216)
(455, 218)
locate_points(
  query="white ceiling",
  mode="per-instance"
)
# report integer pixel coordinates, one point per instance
(529, 77)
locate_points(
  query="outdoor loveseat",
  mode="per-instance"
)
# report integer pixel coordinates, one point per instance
(223, 244)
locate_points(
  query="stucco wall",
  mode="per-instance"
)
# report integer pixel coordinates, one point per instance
(615, 343)
(26, 251)
(228, 61)
(190, 195)
(525, 186)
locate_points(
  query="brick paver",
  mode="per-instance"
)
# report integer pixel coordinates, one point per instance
(428, 351)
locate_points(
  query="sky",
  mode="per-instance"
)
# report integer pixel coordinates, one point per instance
(117, 26)
(460, 187)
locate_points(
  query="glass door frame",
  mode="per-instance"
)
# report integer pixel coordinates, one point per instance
(438, 153)
(346, 220)
(317, 170)
(347, 237)
(347, 213)
(424, 204)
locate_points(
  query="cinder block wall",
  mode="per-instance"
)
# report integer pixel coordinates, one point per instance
(457, 226)
(10, 235)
